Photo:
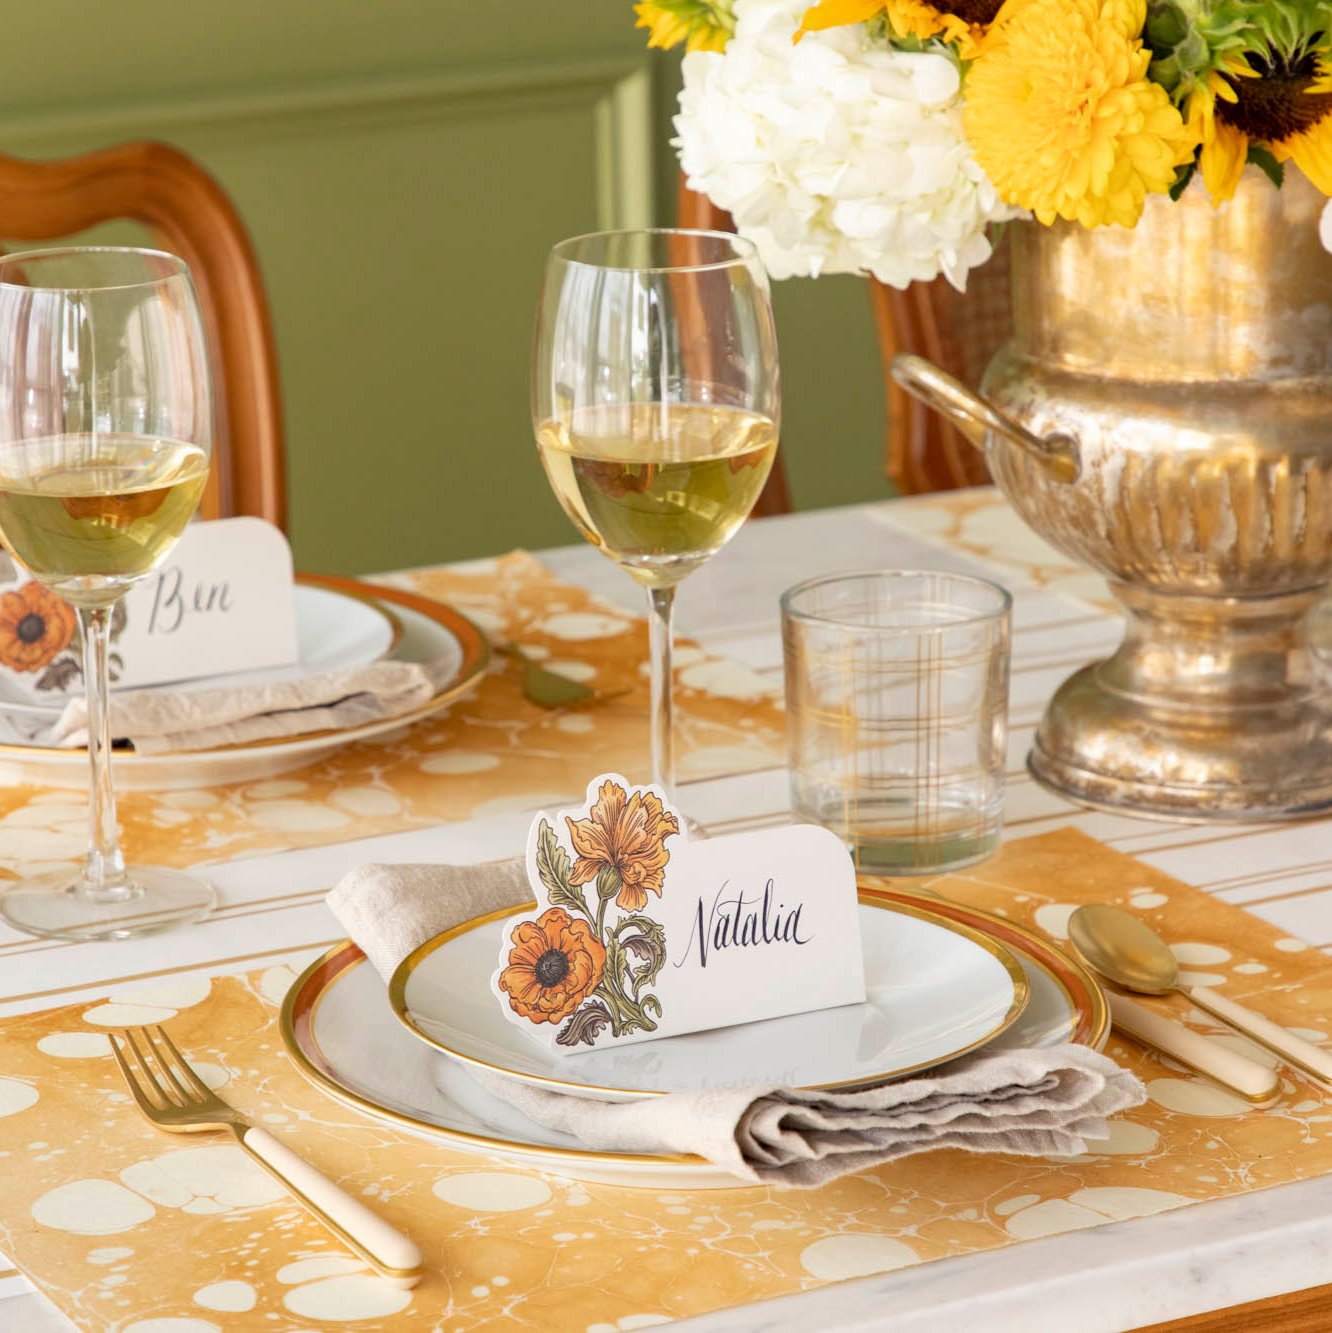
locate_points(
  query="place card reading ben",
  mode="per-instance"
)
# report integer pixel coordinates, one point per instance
(222, 603)
(639, 933)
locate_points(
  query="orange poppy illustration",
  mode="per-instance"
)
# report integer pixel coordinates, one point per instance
(554, 965)
(626, 836)
(35, 627)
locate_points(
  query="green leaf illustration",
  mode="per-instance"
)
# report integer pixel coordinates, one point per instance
(554, 868)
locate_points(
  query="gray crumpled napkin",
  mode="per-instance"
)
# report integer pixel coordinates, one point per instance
(1039, 1102)
(159, 720)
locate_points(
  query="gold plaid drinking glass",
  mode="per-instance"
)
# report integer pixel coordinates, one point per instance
(897, 714)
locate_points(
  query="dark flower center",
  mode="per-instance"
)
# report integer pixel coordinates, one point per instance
(31, 628)
(1276, 105)
(552, 967)
(970, 11)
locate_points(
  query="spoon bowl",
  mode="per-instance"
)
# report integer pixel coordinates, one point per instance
(1124, 949)
(1128, 952)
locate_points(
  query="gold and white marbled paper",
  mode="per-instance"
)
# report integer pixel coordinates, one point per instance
(493, 750)
(121, 1225)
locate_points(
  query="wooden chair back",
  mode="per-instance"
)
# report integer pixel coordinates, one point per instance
(189, 215)
(957, 331)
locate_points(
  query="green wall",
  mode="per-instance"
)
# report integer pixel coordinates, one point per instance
(403, 167)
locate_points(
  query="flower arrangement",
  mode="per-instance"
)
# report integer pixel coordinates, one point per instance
(887, 135)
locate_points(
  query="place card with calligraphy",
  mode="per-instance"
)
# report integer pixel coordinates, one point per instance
(223, 603)
(639, 932)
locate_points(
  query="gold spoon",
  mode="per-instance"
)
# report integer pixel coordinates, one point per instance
(1127, 951)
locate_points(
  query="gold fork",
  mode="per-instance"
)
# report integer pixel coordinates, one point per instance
(176, 1099)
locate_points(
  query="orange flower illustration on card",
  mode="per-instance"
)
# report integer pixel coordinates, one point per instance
(590, 955)
(622, 845)
(36, 626)
(554, 965)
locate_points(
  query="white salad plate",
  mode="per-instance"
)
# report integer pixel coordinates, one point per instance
(340, 1032)
(419, 629)
(335, 631)
(934, 989)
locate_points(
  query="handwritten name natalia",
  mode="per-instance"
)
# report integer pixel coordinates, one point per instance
(742, 922)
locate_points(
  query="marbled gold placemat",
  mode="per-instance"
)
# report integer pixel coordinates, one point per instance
(494, 750)
(122, 1225)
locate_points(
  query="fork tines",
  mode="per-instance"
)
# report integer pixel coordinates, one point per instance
(160, 1078)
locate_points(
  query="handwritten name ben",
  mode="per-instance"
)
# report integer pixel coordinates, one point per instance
(172, 602)
(742, 922)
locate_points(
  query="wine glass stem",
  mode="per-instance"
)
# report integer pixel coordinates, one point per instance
(103, 867)
(661, 602)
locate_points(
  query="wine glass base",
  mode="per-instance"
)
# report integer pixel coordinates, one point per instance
(60, 906)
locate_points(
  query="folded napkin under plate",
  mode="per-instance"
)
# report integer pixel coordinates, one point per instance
(159, 720)
(1044, 1101)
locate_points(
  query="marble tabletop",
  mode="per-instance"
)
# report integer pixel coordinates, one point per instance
(1118, 1276)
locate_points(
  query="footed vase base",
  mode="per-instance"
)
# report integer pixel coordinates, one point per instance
(1212, 761)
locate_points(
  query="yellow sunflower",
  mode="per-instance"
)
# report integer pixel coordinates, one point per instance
(961, 21)
(1282, 103)
(1062, 116)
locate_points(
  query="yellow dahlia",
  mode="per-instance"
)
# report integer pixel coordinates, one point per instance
(1062, 117)
(961, 21)
(702, 25)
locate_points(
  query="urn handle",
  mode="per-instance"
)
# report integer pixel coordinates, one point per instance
(974, 417)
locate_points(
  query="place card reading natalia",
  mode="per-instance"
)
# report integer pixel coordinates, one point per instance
(639, 933)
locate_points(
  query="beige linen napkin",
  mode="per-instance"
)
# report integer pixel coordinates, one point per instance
(159, 720)
(1038, 1102)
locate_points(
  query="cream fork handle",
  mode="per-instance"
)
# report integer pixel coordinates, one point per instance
(1303, 1055)
(389, 1252)
(1251, 1080)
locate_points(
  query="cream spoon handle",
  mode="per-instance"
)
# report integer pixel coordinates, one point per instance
(1303, 1055)
(1247, 1077)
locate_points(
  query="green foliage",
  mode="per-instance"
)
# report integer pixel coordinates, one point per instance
(1192, 39)
(554, 868)
(1275, 171)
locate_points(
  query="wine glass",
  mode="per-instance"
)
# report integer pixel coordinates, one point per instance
(106, 428)
(656, 404)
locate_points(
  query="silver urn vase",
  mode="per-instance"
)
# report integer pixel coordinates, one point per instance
(1163, 413)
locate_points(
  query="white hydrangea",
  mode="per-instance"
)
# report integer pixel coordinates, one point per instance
(835, 154)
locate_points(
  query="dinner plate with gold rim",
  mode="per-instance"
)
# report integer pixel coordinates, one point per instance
(934, 989)
(341, 1034)
(425, 630)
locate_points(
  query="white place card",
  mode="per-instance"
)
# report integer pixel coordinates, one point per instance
(222, 603)
(639, 933)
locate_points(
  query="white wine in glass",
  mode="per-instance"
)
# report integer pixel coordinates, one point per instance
(105, 439)
(656, 407)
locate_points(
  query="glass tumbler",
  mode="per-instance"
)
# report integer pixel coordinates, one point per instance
(897, 714)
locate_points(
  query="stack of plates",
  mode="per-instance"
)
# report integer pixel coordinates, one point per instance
(941, 979)
(341, 625)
